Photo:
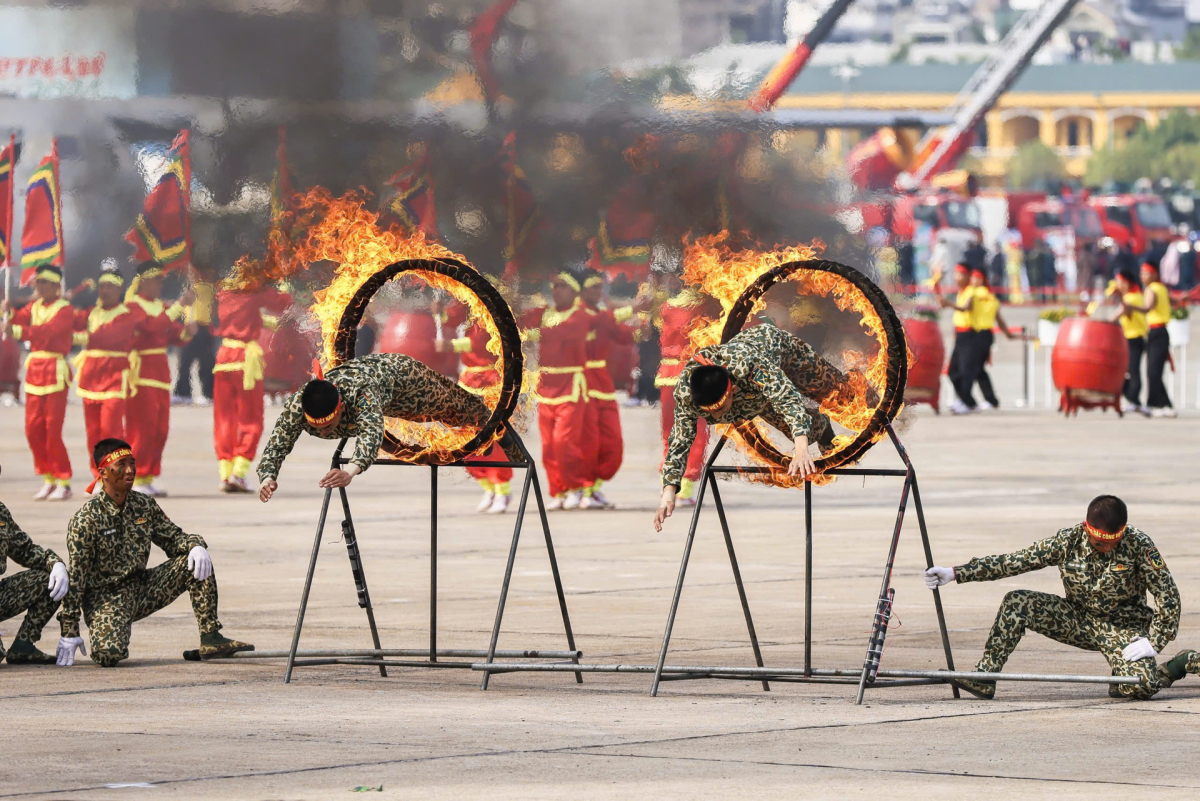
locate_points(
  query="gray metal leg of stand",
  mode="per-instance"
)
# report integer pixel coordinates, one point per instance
(808, 540)
(737, 576)
(558, 586)
(433, 563)
(312, 566)
(687, 554)
(937, 596)
(508, 569)
(361, 576)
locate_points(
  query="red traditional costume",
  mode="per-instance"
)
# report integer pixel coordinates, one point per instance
(48, 328)
(238, 377)
(478, 375)
(675, 316)
(605, 447)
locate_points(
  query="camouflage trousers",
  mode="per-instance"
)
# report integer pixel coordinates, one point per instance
(1061, 620)
(110, 612)
(26, 592)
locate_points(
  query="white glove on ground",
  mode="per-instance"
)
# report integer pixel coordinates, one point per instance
(1138, 649)
(937, 576)
(199, 563)
(66, 650)
(58, 582)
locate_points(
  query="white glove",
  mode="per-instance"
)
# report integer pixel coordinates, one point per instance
(1138, 649)
(66, 650)
(199, 563)
(937, 576)
(59, 583)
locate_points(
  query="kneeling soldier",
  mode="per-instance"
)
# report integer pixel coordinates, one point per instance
(36, 591)
(1106, 567)
(108, 541)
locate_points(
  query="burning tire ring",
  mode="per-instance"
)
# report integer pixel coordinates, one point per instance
(510, 346)
(892, 394)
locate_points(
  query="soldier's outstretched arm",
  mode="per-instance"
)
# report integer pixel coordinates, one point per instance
(1043, 553)
(368, 409)
(283, 438)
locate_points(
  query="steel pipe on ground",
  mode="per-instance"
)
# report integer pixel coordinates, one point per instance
(405, 652)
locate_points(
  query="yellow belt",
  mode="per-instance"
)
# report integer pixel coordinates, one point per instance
(668, 362)
(559, 370)
(578, 386)
(478, 369)
(253, 364)
(596, 364)
(60, 378)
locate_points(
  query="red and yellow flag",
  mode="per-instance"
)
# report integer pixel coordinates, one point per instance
(162, 232)
(41, 236)
(524, 219)
(412, 204)
(7, 162)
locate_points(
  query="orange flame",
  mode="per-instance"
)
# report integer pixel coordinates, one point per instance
(725, 273)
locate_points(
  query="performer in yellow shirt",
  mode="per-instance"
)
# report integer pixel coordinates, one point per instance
(1129, 294)
(985, 314)
(1156, 304)
(961, 370)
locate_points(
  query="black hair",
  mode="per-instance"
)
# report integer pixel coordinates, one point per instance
(1130, 277)
(1107, 513)
(106, 446)
(708, 383)
(319, 398)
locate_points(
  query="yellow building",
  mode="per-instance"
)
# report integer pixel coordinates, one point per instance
(1076, 108)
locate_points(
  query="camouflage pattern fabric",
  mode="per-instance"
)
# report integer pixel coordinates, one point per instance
(110, 613)
(374, 387)
(15, 544)
(26, 592)
(1105, 605)
(109, 547)
(776, 377)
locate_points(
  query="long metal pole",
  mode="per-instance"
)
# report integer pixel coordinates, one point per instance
(390, 652)
(937, 596)
(352, 548)
(433, 562)
(683, 563)
(737, 576)
(312, 567)
(808, 574)
(508, 568)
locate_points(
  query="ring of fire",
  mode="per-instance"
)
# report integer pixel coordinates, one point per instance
(895, 349)
(505, 325)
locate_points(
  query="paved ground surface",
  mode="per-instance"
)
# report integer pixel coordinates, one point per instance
(234, 730)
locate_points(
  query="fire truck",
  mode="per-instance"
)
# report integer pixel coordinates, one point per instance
(1138, 223)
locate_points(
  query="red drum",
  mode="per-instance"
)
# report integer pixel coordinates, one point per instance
(925, 375)
(1088, 363)
(289, 355)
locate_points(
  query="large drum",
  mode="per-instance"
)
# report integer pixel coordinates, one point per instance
(289, 355)
(929, 354)
(1088, 364)
(414, 333)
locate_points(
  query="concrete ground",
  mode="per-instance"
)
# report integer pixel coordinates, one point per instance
(160, 727)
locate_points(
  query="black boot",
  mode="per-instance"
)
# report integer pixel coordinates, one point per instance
(23, 652)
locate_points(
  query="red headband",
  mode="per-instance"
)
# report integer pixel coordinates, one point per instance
(1103, 536)
(961, 268)
(115, 456)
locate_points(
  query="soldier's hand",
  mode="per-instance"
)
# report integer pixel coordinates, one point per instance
(1138, 649)
(666, 507)
(802, 461)
(66, 650)
(59, 583)
(335, 479)
(266, 490)
(199, 563)
(937, 576)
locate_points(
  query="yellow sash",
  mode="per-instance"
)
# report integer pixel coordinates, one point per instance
(253, 364)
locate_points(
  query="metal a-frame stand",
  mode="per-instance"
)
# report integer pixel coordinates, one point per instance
(387, 658)
(870, 671)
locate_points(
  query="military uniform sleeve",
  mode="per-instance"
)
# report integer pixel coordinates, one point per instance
(170, 537)
(17, 545)
(1167, 607)
(77, 574)
(683, 434)
(1050, 551)
(287, 430)
(369, 438)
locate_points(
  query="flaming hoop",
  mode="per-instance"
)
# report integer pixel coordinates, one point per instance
(502, 323)
(887, 382)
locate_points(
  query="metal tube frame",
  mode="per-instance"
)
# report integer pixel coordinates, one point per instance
(380, 657)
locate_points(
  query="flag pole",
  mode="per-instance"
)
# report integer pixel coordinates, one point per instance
(62, 245)
(8, 222)
(186, 152)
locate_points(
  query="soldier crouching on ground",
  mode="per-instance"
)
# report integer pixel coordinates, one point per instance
(1107, 567)
(36, 591)
(108, 542)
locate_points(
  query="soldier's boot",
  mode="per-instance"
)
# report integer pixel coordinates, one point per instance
(825, 440)
(1183, 663)
(978, 688)
(3, 653)
(215, 645)
(23, 652)
(509, 445)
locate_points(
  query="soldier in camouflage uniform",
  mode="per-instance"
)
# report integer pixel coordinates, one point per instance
(762, 372)
(108, 541)
(1107, 567)
(37, 591)
(353, 400)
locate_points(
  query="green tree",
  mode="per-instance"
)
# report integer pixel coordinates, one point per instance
(1189, 50)
(1035, 165)
(1169, 150)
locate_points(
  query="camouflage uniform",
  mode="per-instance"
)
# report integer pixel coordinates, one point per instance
(109, 547)
(26, 590)
(1105, 607)
(776, 377)
(374, 387)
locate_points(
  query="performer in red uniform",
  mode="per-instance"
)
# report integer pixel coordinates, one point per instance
(238, 377)
(102, 379)
(48, 325)
(561, 331)
(149, 407)
(674, 318)
(604, 446)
